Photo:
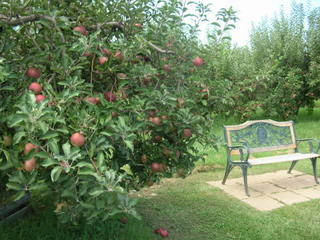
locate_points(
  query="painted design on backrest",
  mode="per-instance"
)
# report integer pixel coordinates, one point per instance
(262, 134)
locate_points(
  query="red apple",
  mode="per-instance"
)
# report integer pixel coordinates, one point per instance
(28, 147)
(205, 93)
(197, 62)
(114, 114)
(40, 98)
(164, 233)
(93, 100)
(87, 54)
(102, 60)
(166, 68)
(122, 75)
(110, 96)
(81, 29)
(138, 25)
(156, 167)
(124, 220)
(186, 133)
(118, 55)
(106, 52)
(155, 120)
(157, 138)
(77, 140)
(33, 73)
(30, 164)
(35, 87)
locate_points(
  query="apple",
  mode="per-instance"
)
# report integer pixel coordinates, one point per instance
(93, 100)
(144, 158)
(30, 164)
(87, 54)
(124, 220)
(110, 96)
(40, 98)
(205, 93)
(166, 151)
(164, 233)
(197, 62)
(33, 73)
(155, 120)
(157, 138)
(106, 52)
(35, 87)
(102, 60)
(7, 141)
(186, 133)
(28, 147)
(77, 140)
(147, 80)
(152, 113)
(166, 68)
(119, 55)
(138, 25)
(122, 75)
(81, 29)
(155, 167)
(114, 114)
(180, 102)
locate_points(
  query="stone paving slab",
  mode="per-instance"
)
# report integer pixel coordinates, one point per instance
(270, 191)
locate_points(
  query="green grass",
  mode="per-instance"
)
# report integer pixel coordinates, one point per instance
(193, 210)
(42, 224)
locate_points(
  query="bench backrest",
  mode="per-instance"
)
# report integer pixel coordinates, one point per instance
(261, 135)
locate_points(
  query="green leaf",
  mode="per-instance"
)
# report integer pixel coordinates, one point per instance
(50, 134)
(18, 118)
(17, 137)
(55, 173)
(84, 164)
(129, 144)
(48, 162)
(66, 148)
(54, 146)
(42, 155)
(127, 169)
(96, 193)
(14, 186)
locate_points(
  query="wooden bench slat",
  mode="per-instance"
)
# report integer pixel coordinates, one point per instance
(282, 158)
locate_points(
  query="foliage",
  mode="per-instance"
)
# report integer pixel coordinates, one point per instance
(139, 100)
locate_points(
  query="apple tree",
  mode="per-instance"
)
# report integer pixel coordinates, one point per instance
(98, 98)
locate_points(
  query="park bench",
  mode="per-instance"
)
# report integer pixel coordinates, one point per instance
(264, 136)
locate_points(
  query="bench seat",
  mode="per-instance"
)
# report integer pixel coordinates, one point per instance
(282, 158)
(260, 136)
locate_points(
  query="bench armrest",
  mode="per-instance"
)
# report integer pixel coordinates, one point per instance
(244, 151)
(310, 143)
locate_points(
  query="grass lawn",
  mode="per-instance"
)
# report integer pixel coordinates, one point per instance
(193, 210)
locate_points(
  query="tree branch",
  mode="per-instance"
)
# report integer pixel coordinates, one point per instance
(32, 18)
(159, 49)
(112, 24)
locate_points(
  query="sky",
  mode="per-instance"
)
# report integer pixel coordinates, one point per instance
(251, 11)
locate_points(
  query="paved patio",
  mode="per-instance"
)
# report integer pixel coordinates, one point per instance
(272, 190)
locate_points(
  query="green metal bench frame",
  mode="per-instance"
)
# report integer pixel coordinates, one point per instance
(264, 136)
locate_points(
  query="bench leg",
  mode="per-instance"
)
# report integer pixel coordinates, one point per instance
(314, 167)
(226, 174)
(245, 179)
(292, 166)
